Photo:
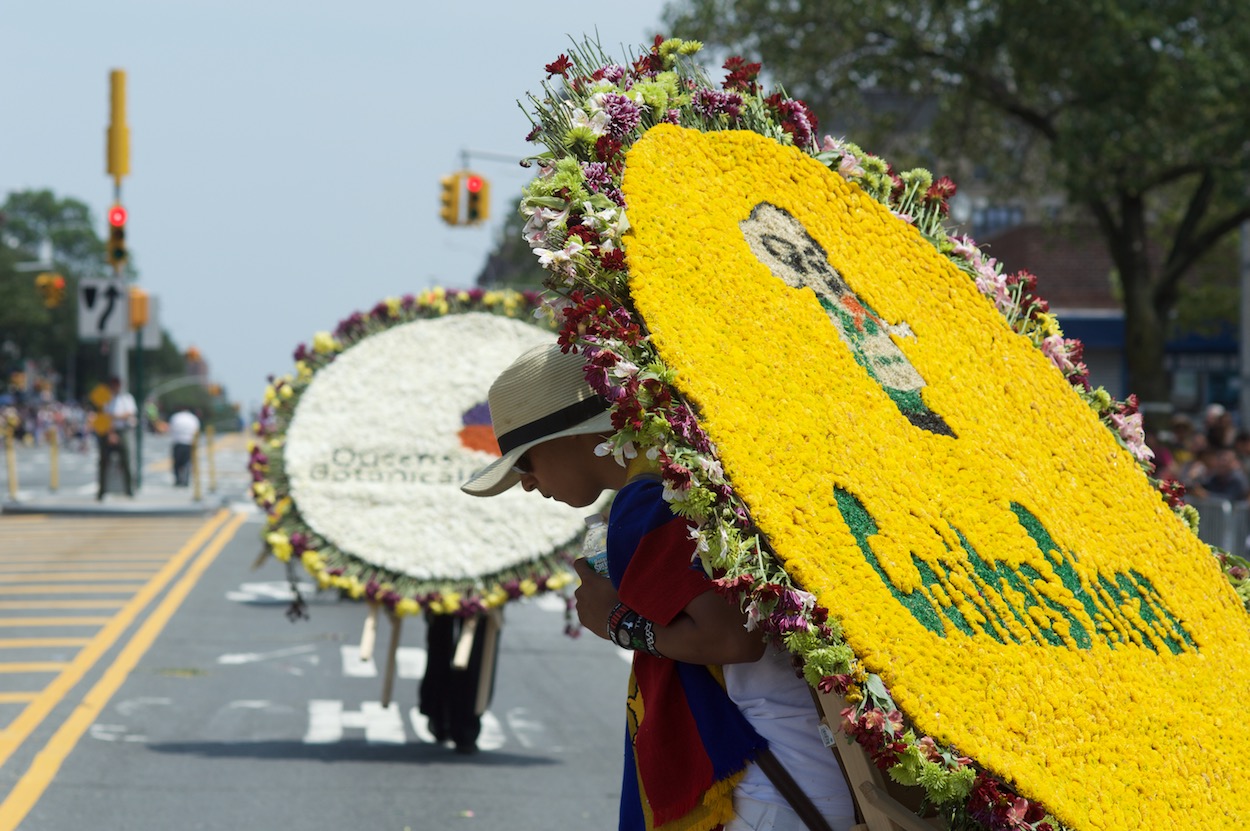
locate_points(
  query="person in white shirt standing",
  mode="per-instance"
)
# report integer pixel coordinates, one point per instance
(184, 426)
(122, 416)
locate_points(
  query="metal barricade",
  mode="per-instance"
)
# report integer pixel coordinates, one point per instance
(1222, 523)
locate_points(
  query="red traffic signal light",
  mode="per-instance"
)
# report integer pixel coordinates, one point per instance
(115, 252)
(477, 208)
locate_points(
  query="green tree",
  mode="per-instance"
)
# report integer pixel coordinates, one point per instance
(28, 329)
(1135, 110)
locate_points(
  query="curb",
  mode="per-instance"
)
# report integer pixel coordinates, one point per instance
(130, 508)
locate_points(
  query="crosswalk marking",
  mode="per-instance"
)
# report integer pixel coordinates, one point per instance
(409, 662)
(492, 736)
(327, 720)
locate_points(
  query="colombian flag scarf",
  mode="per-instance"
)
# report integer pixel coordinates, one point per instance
(687, 743)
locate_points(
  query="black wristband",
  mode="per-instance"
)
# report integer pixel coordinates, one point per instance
(644, 637)
(630, 630)
(619, 611)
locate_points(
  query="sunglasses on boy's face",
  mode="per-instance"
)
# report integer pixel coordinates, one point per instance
(523, 466)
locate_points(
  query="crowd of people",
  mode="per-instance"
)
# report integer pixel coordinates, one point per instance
(34, 422)
(1209, 455)
(41, 419)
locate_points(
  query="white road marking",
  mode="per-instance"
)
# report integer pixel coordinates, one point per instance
(269, 591)
(492, 736)
(130, 706)
(409, 662)
(421, 726)
(327, 720)
(528, 732)
(353, 665)
(235, 658)
(114, 733)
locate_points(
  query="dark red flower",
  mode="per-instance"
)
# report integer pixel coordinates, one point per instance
(1173, 492)
(613, 260)
(742, 75)
(607, 149)
(560, 66)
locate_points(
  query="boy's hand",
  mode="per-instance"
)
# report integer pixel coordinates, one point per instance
(595, 597)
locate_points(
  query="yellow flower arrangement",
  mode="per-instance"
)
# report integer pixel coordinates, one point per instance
(992, 567)
(989, 548)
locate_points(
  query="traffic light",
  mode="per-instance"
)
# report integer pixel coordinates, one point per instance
(138, 308)
(478, 208)
(116, 254)
(450, 199)
(51, 288)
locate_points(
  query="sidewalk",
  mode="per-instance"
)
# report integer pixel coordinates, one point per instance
(156, 494)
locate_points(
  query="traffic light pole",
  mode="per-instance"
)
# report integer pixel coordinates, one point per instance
(117, 165)
(120, 360)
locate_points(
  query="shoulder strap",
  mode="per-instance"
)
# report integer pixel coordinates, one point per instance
(790, 789)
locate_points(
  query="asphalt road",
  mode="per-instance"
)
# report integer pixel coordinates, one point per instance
(149, 679)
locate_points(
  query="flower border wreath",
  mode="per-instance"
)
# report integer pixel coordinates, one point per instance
(288, 536)
(587, 120)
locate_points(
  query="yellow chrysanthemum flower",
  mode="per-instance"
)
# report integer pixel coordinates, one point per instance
(324, 343)
(279, 544)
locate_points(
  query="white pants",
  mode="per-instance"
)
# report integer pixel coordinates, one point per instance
(754, 815)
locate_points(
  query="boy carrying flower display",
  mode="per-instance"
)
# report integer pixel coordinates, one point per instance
(722, 733)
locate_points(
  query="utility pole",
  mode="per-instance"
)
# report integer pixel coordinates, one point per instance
(117, 163)
(117, 159)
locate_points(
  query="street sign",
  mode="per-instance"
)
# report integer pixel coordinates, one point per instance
(103, 308)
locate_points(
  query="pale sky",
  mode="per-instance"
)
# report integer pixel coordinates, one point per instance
(285, 154)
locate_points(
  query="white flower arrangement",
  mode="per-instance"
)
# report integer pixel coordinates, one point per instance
(361, 454)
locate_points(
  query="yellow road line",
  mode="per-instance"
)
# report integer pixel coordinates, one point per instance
(43, 567)
(34, 666)
(120, 588)
(11, 605)
(17, 697)
(30, 718)
(48, 761)
(37, 620)
(93, 560)
(82, 576)
(24, 643)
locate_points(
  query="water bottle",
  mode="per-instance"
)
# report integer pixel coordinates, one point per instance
(595, 544)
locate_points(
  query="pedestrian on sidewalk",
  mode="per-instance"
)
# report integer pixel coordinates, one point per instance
(121, 416)
(184, 427)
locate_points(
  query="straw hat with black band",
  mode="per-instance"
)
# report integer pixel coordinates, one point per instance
(542, 395)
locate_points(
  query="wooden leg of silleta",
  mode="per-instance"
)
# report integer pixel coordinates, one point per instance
(392, 659)
(876, 800)
(490, 648)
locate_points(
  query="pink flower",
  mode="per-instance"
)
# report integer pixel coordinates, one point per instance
(1056, 349)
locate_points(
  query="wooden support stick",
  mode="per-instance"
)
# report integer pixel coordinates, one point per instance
(370, 633)
(388, 677)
